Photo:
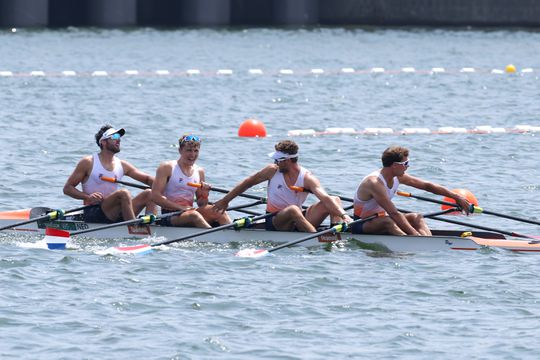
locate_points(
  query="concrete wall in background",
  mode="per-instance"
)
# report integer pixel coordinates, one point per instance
(204, 13)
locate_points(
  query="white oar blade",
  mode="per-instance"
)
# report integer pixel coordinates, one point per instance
(133, 250)
(56, 239)
(252, 253)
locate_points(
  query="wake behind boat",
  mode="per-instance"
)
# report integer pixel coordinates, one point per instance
(441, 240)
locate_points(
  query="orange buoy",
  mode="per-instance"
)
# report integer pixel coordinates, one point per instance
(252, 128)
(463, 192)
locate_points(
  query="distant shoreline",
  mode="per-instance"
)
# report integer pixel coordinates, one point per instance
(217, 13)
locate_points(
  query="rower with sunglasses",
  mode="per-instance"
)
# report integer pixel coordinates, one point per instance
(285, 177)
(171, 189)
(114, 204)
(375, 193)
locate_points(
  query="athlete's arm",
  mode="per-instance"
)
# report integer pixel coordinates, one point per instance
(264, 174)
(134, 173)
(435, 189)
(79, 175)
(313, 184)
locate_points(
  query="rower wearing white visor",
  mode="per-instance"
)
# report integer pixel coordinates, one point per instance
(173, 189)
(112, 203)
(286, 179)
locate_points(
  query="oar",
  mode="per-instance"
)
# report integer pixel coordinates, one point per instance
(224, 191)
(53, 215)
(301, 189)
(143, 248)
(144, 187)
(474, 209)
(127, 183)
(57, 238)
(342, 227)
(509, 233)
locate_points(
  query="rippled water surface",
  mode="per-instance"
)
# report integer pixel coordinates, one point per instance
(197, 300)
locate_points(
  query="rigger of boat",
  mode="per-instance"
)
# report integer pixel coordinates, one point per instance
(58, 226)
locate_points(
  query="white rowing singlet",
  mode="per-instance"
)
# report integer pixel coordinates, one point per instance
(366, 208)
(95, 184)
(178, 190)
(280, 196)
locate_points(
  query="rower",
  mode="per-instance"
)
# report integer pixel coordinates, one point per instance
(285, 176)
(114, 204)
(172, 190)
(375, 192)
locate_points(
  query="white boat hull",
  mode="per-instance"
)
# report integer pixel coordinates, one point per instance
(446, 240)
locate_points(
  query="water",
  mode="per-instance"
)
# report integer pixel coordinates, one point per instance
(198, 300)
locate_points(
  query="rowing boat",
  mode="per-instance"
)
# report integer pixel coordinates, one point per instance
(441, 240)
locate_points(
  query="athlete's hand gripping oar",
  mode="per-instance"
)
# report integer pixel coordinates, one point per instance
(142, 248)
(57, 238)
(53, 215)
(342, 227)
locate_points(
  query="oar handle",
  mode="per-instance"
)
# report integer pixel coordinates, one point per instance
(238, 224)
(127, 183)
(342, 227)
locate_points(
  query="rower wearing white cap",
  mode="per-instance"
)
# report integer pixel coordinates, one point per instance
(285, 176)
(114, 204)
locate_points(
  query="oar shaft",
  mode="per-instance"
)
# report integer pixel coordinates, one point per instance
(424, 198)
(208, 231)
(247, 196)
(147, 219)
(333, 229)
(127, 183)
(529, 221)
(479, 227)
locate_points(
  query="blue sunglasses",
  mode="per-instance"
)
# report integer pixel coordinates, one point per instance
(115, 136)
(190, 138)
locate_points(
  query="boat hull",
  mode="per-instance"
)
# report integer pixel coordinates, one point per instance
(441, 241)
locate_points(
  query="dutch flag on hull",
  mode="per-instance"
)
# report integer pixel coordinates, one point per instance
(56, 239)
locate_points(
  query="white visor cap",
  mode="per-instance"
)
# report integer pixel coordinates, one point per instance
(277, 155)
(110, 132)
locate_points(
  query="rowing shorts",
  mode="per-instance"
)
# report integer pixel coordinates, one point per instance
(269, 224)
(166, 221)
(95, 214)
(357, 228)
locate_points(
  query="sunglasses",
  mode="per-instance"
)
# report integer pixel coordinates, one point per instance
(115, 136)
(190, 138)
(277, 161)
(404, 163)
